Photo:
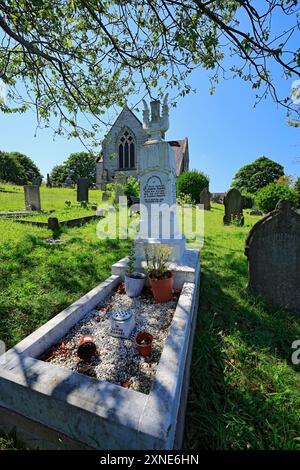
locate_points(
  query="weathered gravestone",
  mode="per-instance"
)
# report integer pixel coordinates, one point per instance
(49, 183)
(53, 223)
(68, 181)
(233, 202)
(105, 196)
(32, 198)
(205, 199)
(273, 252)
(120, 181)
(83, 190)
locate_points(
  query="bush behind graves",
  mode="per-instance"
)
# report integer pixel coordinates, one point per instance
(192, 183)
(248, 200)
(270, 195)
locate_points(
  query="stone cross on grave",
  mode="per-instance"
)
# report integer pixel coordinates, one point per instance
(157, 175)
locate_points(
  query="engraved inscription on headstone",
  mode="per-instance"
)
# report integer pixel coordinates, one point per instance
(273, 252)
(154, 190)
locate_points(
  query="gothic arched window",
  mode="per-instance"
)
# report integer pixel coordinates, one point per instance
(126, 151)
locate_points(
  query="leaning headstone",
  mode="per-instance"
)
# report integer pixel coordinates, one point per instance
(233, 202)
(273, 252)
(32, 198)
(83, 190)
(205, 199)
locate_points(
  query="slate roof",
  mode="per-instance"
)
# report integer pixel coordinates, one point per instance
(179, 147)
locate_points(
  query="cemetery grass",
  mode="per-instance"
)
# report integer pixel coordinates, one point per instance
(12, 198)
(244, 392)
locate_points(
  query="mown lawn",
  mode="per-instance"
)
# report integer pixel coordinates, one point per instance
(51, 199)
(244, 392)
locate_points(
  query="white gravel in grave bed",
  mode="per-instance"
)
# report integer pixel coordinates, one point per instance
(117, 360)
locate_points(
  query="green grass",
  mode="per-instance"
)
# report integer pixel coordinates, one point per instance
(51, 198)
(244, 393)
(38, 280)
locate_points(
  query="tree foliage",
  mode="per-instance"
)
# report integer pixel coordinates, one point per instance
(256, 175)
(81, 165)
(270, 195)
(58, 175)
(75, 57)
(191, 183)
(78, 165)
(17, 168)
(297, 185)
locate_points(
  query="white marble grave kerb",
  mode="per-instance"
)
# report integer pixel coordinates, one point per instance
(157, 174)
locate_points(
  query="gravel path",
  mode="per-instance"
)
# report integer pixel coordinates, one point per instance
(117, 359)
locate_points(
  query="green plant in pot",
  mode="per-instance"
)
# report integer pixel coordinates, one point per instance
(134, 281)
(160, 278)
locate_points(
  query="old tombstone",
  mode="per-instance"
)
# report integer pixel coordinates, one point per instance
(120, 181)
(32, 198)
(205, 199)
(48, 183)
(233, 202)
(83, 190)
(53, 223)
(68, 181)
(273, 252)
(157, 171)
(105, 196)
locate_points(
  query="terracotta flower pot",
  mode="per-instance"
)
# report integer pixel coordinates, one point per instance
(143, 342)
(162, 288)
(86, 348)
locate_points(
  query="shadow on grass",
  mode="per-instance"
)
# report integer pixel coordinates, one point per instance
(243, 391)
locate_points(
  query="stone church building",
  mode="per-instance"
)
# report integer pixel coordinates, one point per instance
(121, 150)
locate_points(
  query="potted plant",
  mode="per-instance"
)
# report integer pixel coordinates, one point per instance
(160, 278)
(134, 281)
